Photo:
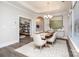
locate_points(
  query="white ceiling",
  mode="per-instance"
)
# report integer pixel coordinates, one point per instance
(46, 6)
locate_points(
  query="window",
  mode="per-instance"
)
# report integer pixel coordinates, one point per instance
(56, 22)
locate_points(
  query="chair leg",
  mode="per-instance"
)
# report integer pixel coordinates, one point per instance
(40, 48)
(52, 44)
(54, 41)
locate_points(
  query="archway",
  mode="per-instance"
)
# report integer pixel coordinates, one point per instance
(39, 24)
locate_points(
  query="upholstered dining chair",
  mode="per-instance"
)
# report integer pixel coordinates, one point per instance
(38, 40)
(52, 39)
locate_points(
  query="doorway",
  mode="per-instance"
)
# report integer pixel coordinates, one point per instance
(24, 28)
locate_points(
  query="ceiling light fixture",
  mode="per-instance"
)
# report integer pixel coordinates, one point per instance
(48, 16)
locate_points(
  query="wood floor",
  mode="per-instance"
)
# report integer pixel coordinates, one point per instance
(9, 50)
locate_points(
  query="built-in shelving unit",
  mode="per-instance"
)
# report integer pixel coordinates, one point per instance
(24, 26)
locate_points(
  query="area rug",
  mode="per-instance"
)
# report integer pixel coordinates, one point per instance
(58, 49)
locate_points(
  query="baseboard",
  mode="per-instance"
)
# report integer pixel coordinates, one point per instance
(8, 42)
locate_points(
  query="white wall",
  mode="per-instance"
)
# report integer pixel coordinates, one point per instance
(66, 24)
(65, 21)
(9, 23)
(46, 24)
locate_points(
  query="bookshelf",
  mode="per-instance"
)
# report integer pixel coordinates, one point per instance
(24, 27)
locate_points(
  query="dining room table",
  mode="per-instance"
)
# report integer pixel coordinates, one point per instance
(46, 35)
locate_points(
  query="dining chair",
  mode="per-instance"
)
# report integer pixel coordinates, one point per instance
(38, 40)
(52, 39)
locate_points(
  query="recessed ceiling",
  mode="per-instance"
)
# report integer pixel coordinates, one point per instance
(46, 6)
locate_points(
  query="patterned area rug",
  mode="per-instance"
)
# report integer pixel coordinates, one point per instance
(59, 49)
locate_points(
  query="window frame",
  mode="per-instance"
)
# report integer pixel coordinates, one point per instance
(56, 16)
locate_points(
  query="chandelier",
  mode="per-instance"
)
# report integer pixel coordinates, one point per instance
(48, 16)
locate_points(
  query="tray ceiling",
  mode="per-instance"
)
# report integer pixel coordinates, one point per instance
(46, 6)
